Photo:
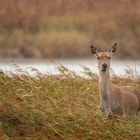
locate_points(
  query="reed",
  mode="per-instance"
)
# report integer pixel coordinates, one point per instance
(58, 107)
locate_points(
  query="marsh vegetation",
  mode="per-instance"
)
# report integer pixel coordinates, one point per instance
(63, 28)
(65, 106)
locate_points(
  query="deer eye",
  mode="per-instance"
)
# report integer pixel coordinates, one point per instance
(109, 57)
(98, 57)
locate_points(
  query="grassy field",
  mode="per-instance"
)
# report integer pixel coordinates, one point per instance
(64, 107)
(63, 28)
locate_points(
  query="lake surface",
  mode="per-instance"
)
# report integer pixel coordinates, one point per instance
(50, 66)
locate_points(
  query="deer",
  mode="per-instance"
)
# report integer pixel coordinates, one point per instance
(114, 99)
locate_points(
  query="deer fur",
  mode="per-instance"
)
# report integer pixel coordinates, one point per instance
(114, 99)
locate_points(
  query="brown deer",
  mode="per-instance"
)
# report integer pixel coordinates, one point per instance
(114, 99)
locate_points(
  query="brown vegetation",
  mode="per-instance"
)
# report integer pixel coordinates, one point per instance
(63, 107)
(63, 28)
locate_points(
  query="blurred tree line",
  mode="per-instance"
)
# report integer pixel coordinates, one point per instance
(64, 28)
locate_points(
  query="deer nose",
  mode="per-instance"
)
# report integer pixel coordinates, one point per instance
(104, 65)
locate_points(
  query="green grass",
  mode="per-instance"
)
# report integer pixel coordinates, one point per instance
(59, 107)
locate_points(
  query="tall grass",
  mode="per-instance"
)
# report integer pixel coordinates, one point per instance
(59, 107)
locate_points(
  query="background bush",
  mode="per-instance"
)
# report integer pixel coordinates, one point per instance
(63, 28)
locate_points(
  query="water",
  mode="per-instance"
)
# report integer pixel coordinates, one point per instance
(50, 66)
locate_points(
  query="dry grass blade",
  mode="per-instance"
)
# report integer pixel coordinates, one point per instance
(88, 72)
(65, 72)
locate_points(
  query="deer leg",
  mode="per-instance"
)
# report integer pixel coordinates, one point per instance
(108, 112)
(106, 108)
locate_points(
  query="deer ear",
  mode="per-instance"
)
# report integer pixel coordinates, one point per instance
(113, 49)
(93, 50)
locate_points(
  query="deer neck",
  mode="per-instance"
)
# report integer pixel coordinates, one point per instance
(104, 85)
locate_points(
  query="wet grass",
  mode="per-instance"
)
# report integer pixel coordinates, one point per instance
(59, 107)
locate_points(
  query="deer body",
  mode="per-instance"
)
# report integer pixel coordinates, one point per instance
(114, 99)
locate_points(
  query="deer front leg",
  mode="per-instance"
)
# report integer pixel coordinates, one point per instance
(106, 108)
(102, 108)
(108, 112)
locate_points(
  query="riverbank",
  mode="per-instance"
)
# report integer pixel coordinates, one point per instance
(122, 68)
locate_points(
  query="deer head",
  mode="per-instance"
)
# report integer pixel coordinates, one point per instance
(103, 57)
